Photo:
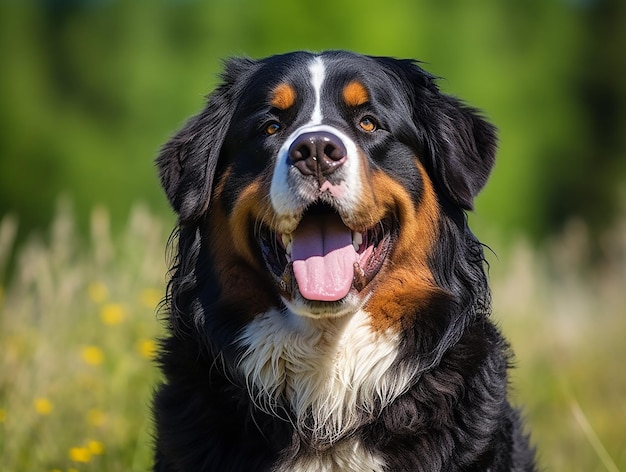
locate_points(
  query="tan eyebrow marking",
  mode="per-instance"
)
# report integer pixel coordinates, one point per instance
(283, 96)
(355, 94)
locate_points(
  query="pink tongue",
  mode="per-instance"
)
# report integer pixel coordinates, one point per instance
(323, 258)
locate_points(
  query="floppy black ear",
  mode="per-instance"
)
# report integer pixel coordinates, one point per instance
(459, 146)
(187, 162)
(463, 149)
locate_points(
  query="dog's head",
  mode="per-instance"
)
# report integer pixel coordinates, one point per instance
(326, 182)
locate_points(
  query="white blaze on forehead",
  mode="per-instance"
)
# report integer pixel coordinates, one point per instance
(318, 73)
(289, 198)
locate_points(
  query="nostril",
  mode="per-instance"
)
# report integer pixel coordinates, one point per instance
(336, 153)
(300, 153)
(303, 155)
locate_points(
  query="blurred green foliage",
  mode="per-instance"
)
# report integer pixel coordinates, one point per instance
(89, 90)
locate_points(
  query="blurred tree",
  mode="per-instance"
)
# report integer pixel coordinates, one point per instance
(601, 82)
(91, 88)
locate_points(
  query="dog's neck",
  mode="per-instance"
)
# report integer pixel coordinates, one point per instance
(327, 377)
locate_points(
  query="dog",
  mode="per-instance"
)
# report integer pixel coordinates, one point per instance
(328, 307)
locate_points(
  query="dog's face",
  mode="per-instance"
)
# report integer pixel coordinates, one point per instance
(325, 180)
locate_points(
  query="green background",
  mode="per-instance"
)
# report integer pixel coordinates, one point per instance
(90, 89)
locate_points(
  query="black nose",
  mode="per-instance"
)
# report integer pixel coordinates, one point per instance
(317, 153)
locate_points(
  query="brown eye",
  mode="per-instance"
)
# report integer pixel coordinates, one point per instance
(272, 128)
(368, 124)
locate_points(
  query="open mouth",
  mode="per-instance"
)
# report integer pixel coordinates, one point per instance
(324, 259)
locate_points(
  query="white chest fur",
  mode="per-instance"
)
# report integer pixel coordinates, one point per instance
(329, 374)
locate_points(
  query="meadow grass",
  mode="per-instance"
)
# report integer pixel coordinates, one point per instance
(77, 333)
(565, 315)
(78, 326)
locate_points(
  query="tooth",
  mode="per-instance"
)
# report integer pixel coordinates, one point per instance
(286, 238)
(357, 240)
(359, 280)
(288, 249)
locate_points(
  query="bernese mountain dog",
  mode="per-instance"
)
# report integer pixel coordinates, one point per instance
(328, 308)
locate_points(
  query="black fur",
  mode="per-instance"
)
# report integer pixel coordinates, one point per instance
(455, 416)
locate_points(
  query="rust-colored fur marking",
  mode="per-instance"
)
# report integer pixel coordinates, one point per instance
(407, 281)
(233, 259)
(283, 96)
(355, 94)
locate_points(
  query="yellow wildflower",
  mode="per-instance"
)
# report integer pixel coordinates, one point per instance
(96, 417)
(95, 447)
(112, 314)
(98, 292)
(43, 406)
(80, 454)
(92, 355)
(150, 297)
(146, 348)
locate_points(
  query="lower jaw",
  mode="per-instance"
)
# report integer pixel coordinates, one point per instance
(299, 305)
(348, 305)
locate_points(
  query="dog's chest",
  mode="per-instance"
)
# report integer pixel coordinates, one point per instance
(327, 377)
